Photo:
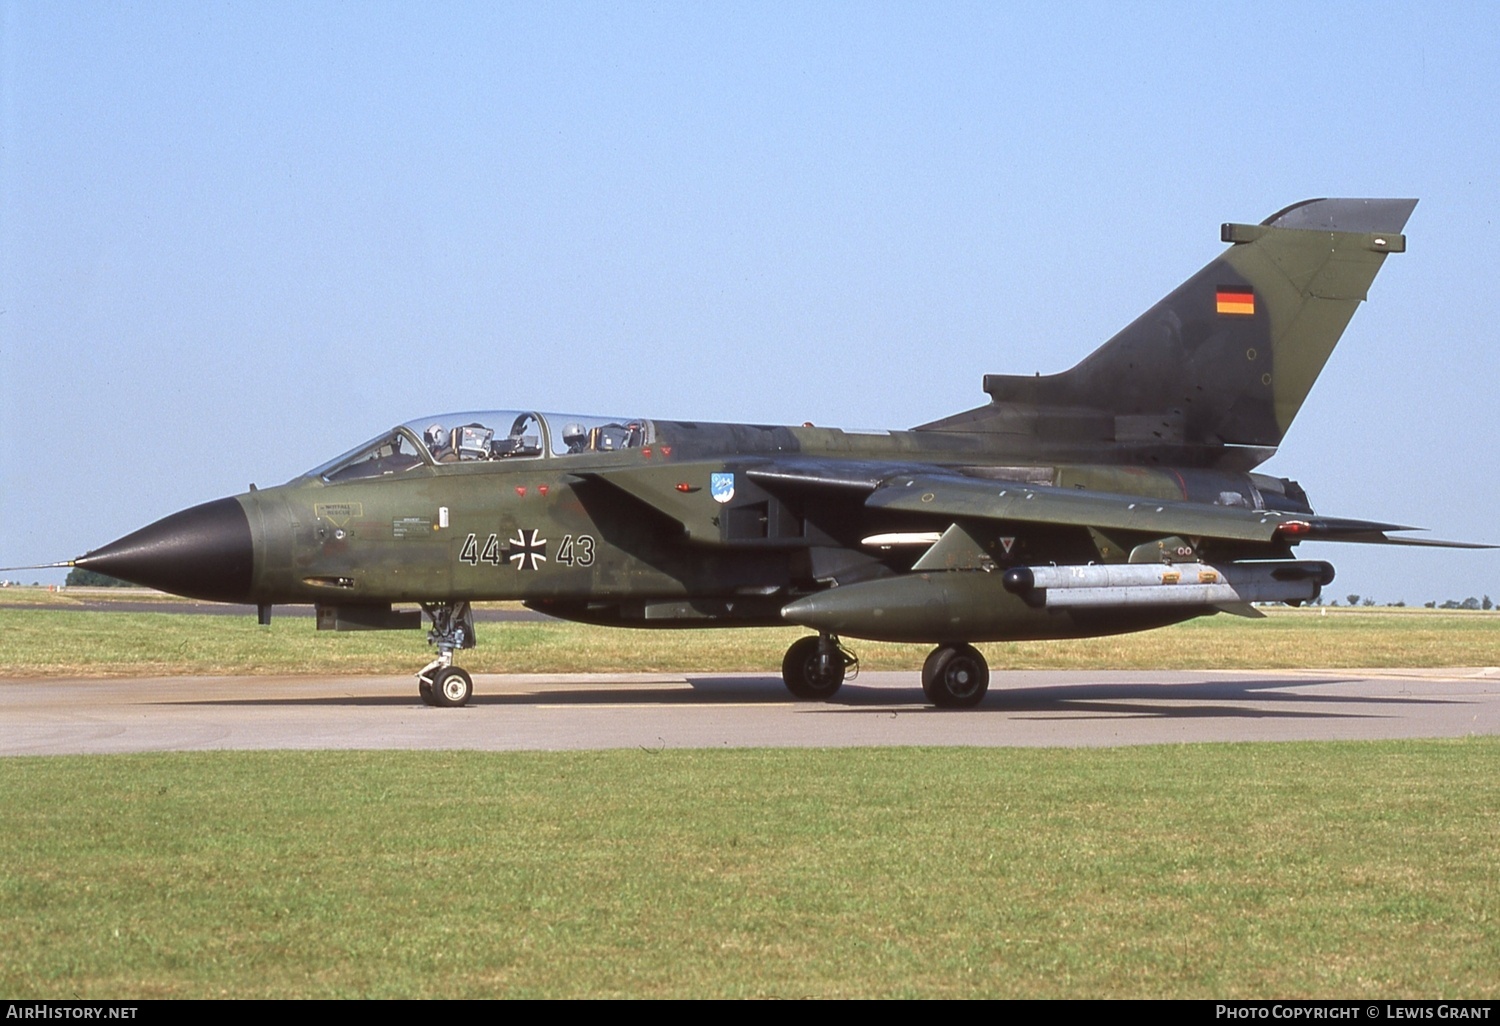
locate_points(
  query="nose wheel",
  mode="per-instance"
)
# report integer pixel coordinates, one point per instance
(451, 687)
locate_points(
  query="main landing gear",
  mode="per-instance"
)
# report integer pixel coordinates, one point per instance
(955, 676)
(440, 682)
(814, 668)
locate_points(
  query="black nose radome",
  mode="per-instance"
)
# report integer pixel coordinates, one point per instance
(205, 552)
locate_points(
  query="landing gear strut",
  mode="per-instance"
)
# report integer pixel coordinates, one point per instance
(814, 668)
(955, 677)
(440, 682)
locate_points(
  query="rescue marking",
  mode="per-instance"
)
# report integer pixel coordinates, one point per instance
(338, 513)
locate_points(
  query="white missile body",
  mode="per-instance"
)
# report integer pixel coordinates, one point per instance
(1163, 584)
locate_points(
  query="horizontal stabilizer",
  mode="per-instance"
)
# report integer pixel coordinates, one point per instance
(956, 496)
(1368, 532)
(1433, 543)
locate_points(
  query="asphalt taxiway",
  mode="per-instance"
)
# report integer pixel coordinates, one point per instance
(599, 711)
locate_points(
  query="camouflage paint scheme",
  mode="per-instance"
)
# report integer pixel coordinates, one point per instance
(1142, 454)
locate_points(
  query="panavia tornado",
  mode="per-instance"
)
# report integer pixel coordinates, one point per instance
(1116, 496)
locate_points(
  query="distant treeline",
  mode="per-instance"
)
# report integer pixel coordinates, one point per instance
(1469, 603)
(79, 577)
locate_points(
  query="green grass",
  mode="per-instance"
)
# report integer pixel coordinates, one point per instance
(1225, 871)
(42, 642)
(1355, 869)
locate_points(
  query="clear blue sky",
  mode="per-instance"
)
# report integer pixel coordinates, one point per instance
(237, 239)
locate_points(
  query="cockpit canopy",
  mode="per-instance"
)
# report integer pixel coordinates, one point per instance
(482, 437)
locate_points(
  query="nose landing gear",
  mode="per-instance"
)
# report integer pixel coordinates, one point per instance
(441, 683)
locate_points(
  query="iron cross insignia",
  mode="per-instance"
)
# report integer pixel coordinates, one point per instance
(527, 550)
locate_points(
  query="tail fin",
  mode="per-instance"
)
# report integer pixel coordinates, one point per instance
(1228, 357)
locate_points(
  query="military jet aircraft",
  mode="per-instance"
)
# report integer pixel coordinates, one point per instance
(1116, 496)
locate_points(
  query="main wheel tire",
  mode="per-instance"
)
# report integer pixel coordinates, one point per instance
(955, 677)
(452, 687)
(801, 670)
(929, 672)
